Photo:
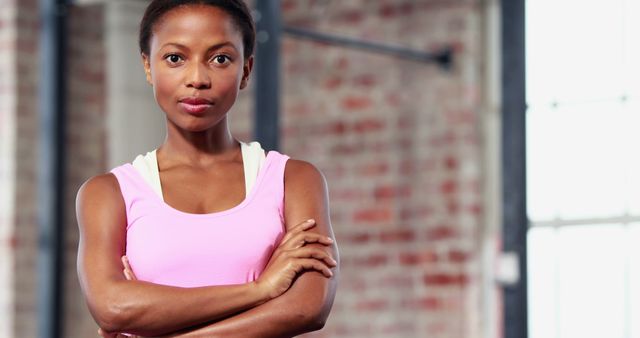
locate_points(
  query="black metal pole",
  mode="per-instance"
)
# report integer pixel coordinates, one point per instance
(515, 222)
(51, 183)
(267, 73)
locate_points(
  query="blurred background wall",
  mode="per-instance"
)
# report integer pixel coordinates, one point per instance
(409, 150)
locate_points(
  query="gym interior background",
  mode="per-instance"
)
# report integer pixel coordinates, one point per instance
(479, 155)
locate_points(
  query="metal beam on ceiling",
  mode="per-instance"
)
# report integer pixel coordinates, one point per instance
(443, 57)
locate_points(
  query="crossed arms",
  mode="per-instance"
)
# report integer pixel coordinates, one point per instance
(294, 294)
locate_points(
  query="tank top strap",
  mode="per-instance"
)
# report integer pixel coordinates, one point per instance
(132, 188)
(273, 181)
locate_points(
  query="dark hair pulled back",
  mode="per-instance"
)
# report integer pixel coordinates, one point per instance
(237, 9)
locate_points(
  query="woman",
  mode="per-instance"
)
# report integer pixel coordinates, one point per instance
(212, 257)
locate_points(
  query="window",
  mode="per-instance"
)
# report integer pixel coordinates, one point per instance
(583, 168)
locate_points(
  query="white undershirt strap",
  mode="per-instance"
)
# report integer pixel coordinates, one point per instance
(252, 158)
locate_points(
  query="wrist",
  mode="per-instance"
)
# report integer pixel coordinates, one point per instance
(260, 291)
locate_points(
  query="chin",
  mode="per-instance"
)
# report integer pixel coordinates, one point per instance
(197, 124)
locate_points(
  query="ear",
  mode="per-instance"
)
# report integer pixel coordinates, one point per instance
(246, 71)
(147, 67)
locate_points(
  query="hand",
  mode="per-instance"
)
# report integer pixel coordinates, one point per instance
(128, 272)
(105, 334)
(292, 256)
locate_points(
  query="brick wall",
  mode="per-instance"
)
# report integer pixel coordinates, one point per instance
(27, 65)
(86, 144)
(400, 145)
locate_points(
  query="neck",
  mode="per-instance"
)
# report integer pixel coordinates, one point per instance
(201, 148)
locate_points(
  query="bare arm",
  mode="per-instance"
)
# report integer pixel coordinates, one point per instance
(142, 308)
(306, 305)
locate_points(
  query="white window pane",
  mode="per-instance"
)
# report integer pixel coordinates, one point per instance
(632, 46)
(584, 281)
(632, 153)
(633, 261)
(542, 282)
(591, 287)
(576, 158)
(574, 50)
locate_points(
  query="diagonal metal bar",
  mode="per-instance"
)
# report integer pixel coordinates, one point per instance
(444, 57)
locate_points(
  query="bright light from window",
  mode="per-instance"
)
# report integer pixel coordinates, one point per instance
(583, 168)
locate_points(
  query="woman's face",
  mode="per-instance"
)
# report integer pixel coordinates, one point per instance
(196, 65)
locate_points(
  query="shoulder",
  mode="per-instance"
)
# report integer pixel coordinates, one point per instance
(302, 172)
(99, 191)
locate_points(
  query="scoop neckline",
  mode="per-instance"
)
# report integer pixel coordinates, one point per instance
(248, 194)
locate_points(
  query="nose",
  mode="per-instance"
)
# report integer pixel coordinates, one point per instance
(198, 77)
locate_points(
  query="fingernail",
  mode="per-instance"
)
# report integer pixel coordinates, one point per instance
(310, 220)
(330, 240)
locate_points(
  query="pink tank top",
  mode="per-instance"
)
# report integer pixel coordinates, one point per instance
(171, 247)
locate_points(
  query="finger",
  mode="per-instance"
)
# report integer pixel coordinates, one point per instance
(127, 274)
(127, 268)
(315, 253)
(314, 264)
(300, 227)
(304, 226)
(303, 238)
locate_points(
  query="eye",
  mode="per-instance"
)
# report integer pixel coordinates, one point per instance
(221, 59)
(173, 58)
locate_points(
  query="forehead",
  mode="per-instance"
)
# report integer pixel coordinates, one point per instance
(196, 23)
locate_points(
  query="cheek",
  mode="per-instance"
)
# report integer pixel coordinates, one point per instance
(165, 83)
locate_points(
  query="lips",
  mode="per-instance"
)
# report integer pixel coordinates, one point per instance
(195, 105)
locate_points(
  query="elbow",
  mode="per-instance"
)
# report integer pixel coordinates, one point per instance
(111, 316)
(317, 322)
(315, 319)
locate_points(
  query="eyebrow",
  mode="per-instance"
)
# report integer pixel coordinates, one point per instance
(214, 47)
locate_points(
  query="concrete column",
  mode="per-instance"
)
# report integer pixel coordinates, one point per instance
(135, 124)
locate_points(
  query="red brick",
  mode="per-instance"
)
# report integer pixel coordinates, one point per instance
(356, 102)
(449, 187)
(423, 303)
(403, 329)
(451, 163)
(352, 16)
(412, 213)
(365, 80)
(288, 6)
(404, 235)
(348, 193)
(368, 125)
(444, 279)
(372, 305)
(375, 260)
(390, 192)
(475, 209)
(344, 149)
(13, 242)
(400, 281)
(356, 238)
(441, 233)
(374, 169)
(418, 258)
(458, 256)
(373, 215)
(453, 206)
(332, 82)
